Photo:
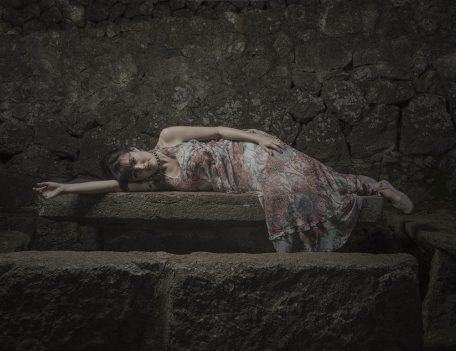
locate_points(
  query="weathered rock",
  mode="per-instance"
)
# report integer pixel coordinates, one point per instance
(322, 139)
(446, 66)
(388, 92)
(344, 99)
(340, 18)
(305, 81)
(15, 136)
(426, 126)
(439, 305)
(97, 11)
(50, 235)
(322, 55)
(12, 240)
(51, 134)
(376, 131)
(37, 161)
(306, 106)
(138, 301)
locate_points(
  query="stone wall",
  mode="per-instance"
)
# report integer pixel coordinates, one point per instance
(367, 87)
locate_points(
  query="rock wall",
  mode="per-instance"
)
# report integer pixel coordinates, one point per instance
(367, 87)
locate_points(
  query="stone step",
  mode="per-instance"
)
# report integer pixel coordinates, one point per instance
(171, 205)
(157, 301)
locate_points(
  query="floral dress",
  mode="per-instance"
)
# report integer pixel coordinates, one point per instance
(301, 196)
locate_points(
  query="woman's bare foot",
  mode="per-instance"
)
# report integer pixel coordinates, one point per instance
(398, 199)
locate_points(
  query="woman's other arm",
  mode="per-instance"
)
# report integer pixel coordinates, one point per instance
(180, 134)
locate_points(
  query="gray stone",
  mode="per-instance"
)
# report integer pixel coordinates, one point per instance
(139, 301)
(340, 18)
(369, 56)
(31, 11)
(13, 16)
(388, 92)
(52, 135)
(305, 81)
(446, 66)
(97, 12)
(426, 126)
(439, 305)
(37, 161)
(15, 136)
(176, 4)
(34, 25)
(322, 139)
(376, 131)
(282, 44)
(75, 14)
(172, 237)
(12, 240)
(116, 11)
(142, 207)
(50, 235)
(306, 107)
(428, 82)
(431, 239)
(45, 4)
(322, 55)
(51, 15)
(344, 99)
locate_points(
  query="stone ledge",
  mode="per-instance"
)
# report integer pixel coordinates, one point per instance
(158, 301)
(172, 205)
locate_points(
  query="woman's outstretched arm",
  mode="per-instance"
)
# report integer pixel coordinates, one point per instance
(51, 189)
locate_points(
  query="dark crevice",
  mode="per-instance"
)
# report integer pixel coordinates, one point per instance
(300, 126)
(399, 128)
(4, 158)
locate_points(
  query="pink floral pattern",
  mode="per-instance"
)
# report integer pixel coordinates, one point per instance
(300, 195)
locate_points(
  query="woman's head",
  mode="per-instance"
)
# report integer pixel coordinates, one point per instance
(129, 165)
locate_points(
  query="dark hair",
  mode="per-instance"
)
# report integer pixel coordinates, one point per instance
(112, 168)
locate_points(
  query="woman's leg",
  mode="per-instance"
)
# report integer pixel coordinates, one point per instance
(287, 244)
(354, 183)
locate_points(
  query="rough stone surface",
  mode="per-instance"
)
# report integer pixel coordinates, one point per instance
(322, 138)
(439, 305)
(375, 132)
(123, 207)
(427, 126)
(12, 240)
(50, 235)
(142, 301)
(344, 99)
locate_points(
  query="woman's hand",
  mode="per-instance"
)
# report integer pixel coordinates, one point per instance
(267, 142)
(49, 190)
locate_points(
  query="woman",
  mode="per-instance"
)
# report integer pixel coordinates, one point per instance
(308, 206)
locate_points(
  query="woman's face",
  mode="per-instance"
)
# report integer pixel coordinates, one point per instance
(142, 163)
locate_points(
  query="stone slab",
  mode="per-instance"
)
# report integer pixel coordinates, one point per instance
(171, 205)
(55, 300)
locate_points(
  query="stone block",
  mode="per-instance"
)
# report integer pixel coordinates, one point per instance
(157, 301)
(142, 207)
(12, 240)
(439, 305)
